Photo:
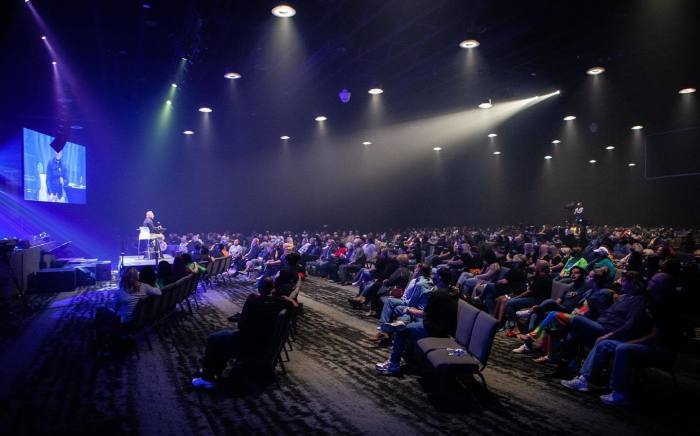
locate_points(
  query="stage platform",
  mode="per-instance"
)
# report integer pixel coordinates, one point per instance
(139, 262)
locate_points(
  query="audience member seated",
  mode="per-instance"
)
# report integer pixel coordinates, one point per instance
(467, 282)
(437, 319)
(601, 259)
(513, 283)
(652, 344)
(253, 336)
(572, 259)
(397, 312)
(540, 289)
(148, 276)
(165, 274)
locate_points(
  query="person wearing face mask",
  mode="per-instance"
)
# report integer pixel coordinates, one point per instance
(654, 345)
(622, 321)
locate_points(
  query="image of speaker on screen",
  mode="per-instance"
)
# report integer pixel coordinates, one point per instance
(55, 179)
(55, 175)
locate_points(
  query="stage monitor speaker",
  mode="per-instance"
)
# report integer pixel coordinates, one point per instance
(53, 280)
(103, 271)
(84, 277)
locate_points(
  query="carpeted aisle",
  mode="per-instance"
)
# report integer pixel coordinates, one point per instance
(51, 383)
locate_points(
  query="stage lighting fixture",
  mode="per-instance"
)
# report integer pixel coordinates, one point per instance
(283, 11)
(437, 148)
(375, 91)
(205, 110)
(637, 127)
(687, 91)
(344, 95)
(284, 137)
(548, 157)
(320, 118)
(53, 63)
(496, 152)
(168, 102)
(367, 143)
(556, 141)
(188, 132)
(232, 76)
(610, 147)
(469, 43)
(76, 127)
(43, 37)
(595, 71)
(592, 161)
(486, 105)
(569, 118)
(492, 135)
(631, 164)
(173, 85)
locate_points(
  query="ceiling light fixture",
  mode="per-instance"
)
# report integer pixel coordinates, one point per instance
(44, 38)
(320, 118)
(637, 127)
(687, 91)
(283, 11)
(173, 85)
(569, 118)
(366, 143)
(496, 152)
(188, 132)
(595, 71)
(375, 91)
(469, 43)
(53, 63)
(205, 110)
(284, 137)
(556, 141)
(486, 105)
(168, 102)
(232, 75)
(592, 161)
(610, 147)
(492, 135)
(631, 164)
(437, 148)
(548, 157)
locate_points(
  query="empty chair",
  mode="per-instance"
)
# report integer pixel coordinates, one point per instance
(466, 315)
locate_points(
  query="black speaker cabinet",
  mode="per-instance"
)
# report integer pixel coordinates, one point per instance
(53, 280)
(83, 276)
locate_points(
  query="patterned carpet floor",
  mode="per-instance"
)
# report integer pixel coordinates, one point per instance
(53, 384)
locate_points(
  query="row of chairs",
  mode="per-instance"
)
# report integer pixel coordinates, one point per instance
(153, 311)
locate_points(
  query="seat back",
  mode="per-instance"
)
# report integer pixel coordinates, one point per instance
(481, 341)
(559, 289)
(144, 233)
(141, 312)
(466, 315)
(279, 337)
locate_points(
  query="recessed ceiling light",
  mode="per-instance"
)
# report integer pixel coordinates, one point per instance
(496, 152)
(205, 110)
(548, 157)
(320, 118)
(569, 118)
(469, 43)
(375, 91)
(44, 38)
(610, 147)
(285, 137)
(687, 91)
(168, 102)
(173, 85)
(437, 148)
(492, 135)
(486, 105)
(592, 161)
(366, 143)
(283, 11)
(76, 127)
(637, 127)
(631, 164)
(188, 132)
(232, 75)
(556, 141)
(53, 63)
(595, 71)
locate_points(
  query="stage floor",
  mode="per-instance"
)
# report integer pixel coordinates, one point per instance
(53, 384)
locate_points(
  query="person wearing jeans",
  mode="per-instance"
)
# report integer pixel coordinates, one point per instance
(540, 289)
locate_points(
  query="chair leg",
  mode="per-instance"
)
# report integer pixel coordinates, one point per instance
(483, 381)
(286, 354)
(189, 306)
(148, 339)
(289, 342)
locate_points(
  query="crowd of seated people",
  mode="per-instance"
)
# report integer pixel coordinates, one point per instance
(620, 283)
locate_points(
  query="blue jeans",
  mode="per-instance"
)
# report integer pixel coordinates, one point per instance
(548, 305)
(518, 303)
(466, 284)
(393, 308)
(628, 356)
(413, 332)
(489, 296)
(585, 331)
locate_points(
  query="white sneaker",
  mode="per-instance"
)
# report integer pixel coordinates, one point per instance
(199, 382)
(523, 349)
(387, 367)
(615, 399)
(577, 384)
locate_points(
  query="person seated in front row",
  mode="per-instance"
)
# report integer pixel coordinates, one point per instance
(654, 345)
(539, 290)
(254, 334)
(467, 282)
(438, 319)
(397, 312)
